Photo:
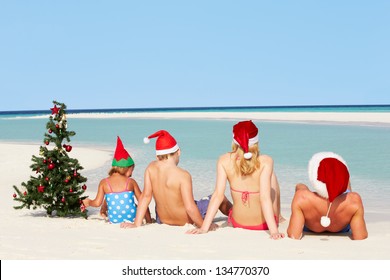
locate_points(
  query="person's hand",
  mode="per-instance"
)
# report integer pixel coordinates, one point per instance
(127, 225)
(277, 235)
(212, 227)
(86, 202)
(196, 231)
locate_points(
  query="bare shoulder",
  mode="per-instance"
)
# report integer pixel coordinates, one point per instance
(354, 197)
(132, 181)
(225, 159)
(306, 200)
(151, 167)
(102, 182)
(152, 164)
(182, 173)
(267, 160)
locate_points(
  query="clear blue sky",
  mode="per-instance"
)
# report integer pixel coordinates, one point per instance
(135, 54)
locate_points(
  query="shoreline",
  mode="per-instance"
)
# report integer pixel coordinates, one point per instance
(354, 118)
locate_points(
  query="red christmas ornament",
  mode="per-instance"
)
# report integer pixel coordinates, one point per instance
(14, 195)
(41, 188)
(47, 142)
(51, 166)
(68, 148)
(44, 161)
(25, 193)
(82, 206)
(71, 190)
(47, 179)
(63, 200)
(84, 187)
(55, 110)
(50, 131)
(57, 126)
(66, 181)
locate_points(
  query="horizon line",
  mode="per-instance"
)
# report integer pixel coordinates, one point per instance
(194, 108)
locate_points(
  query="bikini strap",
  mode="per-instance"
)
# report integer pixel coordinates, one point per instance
(234, 190)
(243, 191)
(127, 184)
(244, 195)
(108, 183)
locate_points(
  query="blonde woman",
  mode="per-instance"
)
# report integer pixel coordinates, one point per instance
(253, 185)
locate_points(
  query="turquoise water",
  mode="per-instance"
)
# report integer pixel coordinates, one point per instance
(340, 108)
(365, 148)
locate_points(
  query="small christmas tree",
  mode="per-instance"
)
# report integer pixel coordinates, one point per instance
(58, 187)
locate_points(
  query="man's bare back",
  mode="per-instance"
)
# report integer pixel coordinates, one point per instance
(333, 207)
(308, 208)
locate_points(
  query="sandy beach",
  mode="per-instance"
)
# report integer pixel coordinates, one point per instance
(30, 235)
(365, 118)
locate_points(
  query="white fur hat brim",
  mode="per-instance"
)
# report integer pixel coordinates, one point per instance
(313, 166)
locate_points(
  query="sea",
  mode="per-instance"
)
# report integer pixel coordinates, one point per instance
(365, 148)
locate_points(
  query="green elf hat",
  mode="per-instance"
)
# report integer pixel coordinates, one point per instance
(121, 156)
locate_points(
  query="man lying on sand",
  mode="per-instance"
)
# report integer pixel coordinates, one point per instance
(334, 207)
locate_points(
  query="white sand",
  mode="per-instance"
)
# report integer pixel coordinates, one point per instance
(28, 234)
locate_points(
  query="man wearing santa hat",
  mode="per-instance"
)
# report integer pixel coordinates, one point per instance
(333, 207)
(171, 188)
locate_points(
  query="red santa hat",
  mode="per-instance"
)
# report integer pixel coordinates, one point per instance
(121, 157)
(245, 134)
(328, 173)
(165, 143)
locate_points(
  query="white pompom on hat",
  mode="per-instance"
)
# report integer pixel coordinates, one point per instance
(328, 173)
(245, 134)
(165, 143)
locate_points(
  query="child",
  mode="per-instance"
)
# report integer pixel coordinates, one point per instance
(253, 185)
(171, 187)
(119, 189)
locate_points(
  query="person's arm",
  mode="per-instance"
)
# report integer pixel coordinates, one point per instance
(138, 195)
(98, 199)
(265, 199)
(297, 219)
(358, 225)
(188, 199)
(143, 203)
(215, 201)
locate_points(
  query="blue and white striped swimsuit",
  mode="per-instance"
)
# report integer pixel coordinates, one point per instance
(121, 205)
